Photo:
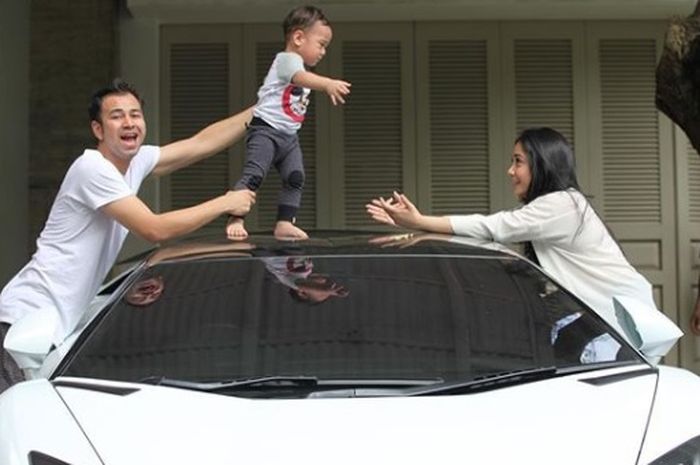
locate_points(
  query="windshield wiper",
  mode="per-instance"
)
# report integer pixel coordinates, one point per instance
(271, 381)
(485, 383)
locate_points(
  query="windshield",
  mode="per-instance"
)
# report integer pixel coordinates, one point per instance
(375, 318)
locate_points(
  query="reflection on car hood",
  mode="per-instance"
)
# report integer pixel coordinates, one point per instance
(554, 421)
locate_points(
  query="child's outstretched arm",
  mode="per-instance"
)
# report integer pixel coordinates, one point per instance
(335, 88)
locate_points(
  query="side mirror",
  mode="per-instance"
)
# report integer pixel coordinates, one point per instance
(645, 327)
(30, 338)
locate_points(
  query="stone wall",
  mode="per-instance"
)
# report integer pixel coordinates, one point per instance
(73, 52)
(14, 94)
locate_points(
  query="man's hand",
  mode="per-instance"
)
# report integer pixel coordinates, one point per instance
(337, 90)
(239, 203)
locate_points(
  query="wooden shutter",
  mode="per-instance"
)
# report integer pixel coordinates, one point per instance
(544, 85)
(459, 126)
(630, 131)
(693, 174)
(373, 157)
(199, 95)
(634, 184)
(693, 225)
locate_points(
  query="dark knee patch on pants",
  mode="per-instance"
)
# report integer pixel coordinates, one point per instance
(295, 180)
(253, 182)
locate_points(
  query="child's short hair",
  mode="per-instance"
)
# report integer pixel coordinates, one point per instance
(302, 17)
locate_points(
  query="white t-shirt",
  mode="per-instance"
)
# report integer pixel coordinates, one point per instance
(78, 244)
(571, 243)
(280, 103)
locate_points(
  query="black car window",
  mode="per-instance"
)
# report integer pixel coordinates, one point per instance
(342, 317)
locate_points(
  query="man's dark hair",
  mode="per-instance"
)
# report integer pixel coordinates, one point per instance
(117, 86)
(302, 17)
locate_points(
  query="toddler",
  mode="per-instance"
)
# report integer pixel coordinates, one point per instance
(282, 101)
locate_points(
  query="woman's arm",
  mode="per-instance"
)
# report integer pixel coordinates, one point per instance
(400, 211)
(551, 217)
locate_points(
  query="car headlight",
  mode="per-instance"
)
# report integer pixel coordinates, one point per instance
(37, 458)
(687, 453)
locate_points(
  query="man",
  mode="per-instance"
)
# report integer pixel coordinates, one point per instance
(97, 206)
(695, 316)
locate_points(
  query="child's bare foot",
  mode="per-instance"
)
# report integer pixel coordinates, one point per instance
(235, 229)
(285, 230)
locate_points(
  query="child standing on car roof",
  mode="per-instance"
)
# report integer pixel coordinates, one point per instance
(282, 102)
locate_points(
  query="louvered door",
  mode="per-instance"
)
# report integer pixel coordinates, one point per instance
(198, 96)
(372, 145)
(457, 110)
(544, 84)
(198, 63)
(544, 81)
(633, 180)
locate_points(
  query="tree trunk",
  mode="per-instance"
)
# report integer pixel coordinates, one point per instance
(678, 75)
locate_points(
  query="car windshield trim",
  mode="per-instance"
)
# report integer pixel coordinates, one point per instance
(505, 379)
(224, 385)
(286, 382)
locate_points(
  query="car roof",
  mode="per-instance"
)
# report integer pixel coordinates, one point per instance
(327, 243)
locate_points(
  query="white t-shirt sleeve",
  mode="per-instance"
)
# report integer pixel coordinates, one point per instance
(288, 64)
(552, 217)
(143, 164)
(98, 182)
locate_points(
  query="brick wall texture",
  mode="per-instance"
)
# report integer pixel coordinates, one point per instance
(73, 50)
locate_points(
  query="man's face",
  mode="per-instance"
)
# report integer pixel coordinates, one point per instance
(122, 128)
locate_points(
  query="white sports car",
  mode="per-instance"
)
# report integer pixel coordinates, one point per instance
(347, 350)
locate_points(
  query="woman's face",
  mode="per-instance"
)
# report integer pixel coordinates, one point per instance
(519, 172)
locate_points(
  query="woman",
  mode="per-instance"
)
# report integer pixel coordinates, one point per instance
(560, 229)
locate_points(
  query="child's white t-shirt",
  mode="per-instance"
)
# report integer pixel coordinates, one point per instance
(78, 244)
(281, 103)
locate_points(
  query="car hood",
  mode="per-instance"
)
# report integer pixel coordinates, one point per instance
(577, 419)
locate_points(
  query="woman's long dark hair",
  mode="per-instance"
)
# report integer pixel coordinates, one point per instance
(551, 160)
(552, 167)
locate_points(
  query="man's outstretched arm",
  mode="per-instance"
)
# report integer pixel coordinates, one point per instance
(207, 142)
(135, 215)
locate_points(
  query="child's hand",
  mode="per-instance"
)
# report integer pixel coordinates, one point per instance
(337, 89)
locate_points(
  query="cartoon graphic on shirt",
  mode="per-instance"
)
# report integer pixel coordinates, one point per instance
(294, 102)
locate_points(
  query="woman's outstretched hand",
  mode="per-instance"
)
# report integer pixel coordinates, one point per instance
(395, 211)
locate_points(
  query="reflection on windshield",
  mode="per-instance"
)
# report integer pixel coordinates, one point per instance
(145, 291)
(305, 284)
(406, 317)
